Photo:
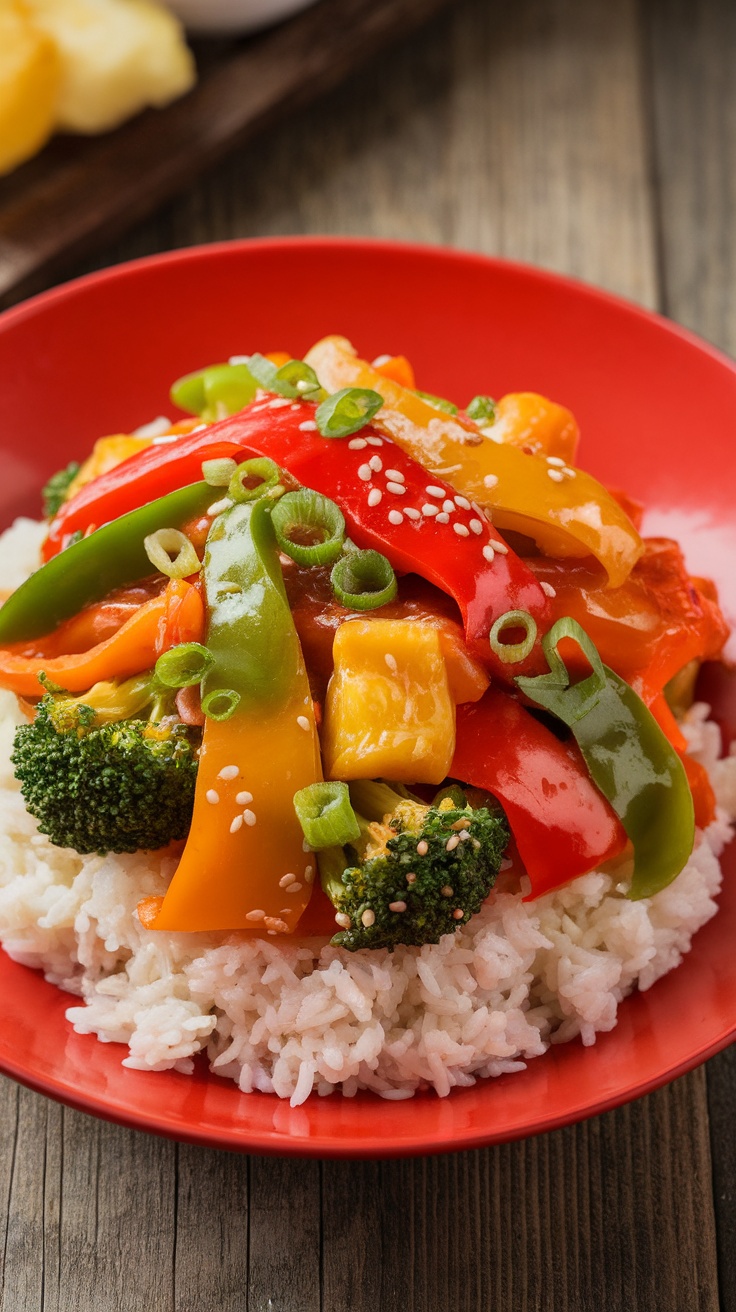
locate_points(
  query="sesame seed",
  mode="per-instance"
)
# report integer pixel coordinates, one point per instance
(411, 878)
(433, 491)
(286, 911)
(462, 502)
(398, 489)
(428, 509)
(272, 932)
(476, 525)
(278, 403)
(489, 554)
(395, 517)
(448, 507)
(376, 464)
(557, 461)
(364, 472)
(236, 824)
(374, 441)
(547, 588)
(309, 875)
(368, 918)
(255, 915)
(556, 475)
(303, 723)
(295, 887)
(396, 475)
(342, 920)
(569, 473)
(501, 548)
(397, 906)
(380, 360)
(391, 662)
(357, 444)
(212, 796)
(458, 913)
(305, 846)
(229, 772)
(443, 519)
(452, 843)
(242, 799)
(422, 847)
(447, 891)
(411, 513)
(462, 530)
(464, 835)
(490, 480)
(249, 817)
(275, 925)
(217, 507)
(458, 825)
(286, 879)
(476, 844)
(374, 496)
(308, 426)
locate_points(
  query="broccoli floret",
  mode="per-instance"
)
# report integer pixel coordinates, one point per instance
(98, 781)
(417, 872)
(55, 492)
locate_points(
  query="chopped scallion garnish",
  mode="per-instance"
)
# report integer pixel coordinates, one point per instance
(170, 551)
(347, 411)
(513, 652)
(326, 816)
(254, 479)
(309, 527)
(482, 409)
(363, 580)
(183, 666)
(221, 703)
(218, 472)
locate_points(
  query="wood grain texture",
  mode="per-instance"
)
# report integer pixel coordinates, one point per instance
(527, 130)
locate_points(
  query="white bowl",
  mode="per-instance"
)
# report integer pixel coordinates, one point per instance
(210, 16)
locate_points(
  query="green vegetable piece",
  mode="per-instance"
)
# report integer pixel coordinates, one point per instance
(294, 379)
(400, 882)
(215, 392)
(325, 815)
(511, 653)
(439, 402)
(254, 478)
(251, 635)
(482, 409)
(363, 580)
(218, 472)
(183, 666)
(627, 754)
(347, 411)
(86, 571)
(309, 527)
(98, 781)
(55, 492)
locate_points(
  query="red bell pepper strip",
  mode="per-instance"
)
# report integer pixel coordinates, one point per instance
(562, 824)
(417, 521)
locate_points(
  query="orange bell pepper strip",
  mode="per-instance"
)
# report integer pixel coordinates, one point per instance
(565, 510)
(177, 615)
(398, 368)
(536, 424)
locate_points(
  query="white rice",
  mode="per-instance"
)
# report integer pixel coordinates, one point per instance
(293, 1019)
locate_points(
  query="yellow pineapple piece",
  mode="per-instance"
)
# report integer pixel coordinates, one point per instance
(117, 57)
(29, 82)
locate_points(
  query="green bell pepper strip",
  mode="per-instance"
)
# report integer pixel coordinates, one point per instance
(628, 756)
(213, 393)
(110, 557)
(251, 634)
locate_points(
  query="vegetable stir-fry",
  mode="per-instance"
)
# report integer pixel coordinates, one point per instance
(358, 654)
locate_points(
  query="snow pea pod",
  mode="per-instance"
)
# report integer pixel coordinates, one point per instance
(110, 557)
(628, 756)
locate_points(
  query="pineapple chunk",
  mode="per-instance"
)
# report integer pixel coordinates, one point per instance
(388, 710)
(29, 81)
(117, 56)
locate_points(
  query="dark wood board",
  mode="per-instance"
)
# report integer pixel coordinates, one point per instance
(82, 191)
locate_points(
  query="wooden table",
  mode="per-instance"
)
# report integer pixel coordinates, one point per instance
(587, 136)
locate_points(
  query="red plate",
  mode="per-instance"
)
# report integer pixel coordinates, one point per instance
(658, 413)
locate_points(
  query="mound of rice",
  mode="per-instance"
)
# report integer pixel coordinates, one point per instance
(289, 1019)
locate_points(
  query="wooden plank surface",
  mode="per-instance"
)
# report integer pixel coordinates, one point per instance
(543, 131)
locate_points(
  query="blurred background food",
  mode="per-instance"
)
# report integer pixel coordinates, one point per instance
(84, 66)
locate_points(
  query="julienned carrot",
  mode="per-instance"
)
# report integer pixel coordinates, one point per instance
(176, 615)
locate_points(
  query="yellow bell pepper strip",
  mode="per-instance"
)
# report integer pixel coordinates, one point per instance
(176, 615)
(536, 424)
(244, 865)
(628, 757)
(388, 711)
(565, 510)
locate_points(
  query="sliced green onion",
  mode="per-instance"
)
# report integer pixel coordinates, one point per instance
(215, 392)
(363, 580)
(313, 518)
(170, 551)
(482, 409)
(221, 703)
(218, 472)
(439, 402)
(513, 652)
(260, 468)
(553, 690)
(326, 816)
(347, 411)
(182, 666)
(294, 379)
